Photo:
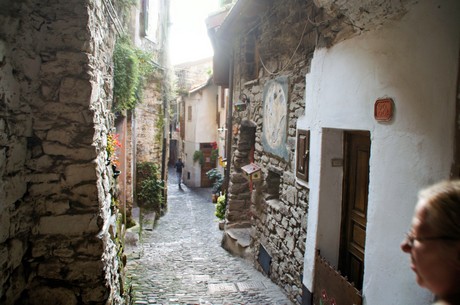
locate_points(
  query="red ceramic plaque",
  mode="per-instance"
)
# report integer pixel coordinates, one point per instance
(383, 110)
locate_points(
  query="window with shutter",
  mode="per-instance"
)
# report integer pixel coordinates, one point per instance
(303, 154)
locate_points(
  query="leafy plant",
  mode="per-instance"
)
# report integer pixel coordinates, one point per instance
(149, 187)
(218, 179)
(198, 156)
(159, 125)
(214, 151)
(214, 155)
(126, 74)
(220, 207)
(132, 66)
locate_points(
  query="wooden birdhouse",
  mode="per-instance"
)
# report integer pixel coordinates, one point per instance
(252, 172)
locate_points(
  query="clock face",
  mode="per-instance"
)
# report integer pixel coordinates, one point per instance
(275, 116)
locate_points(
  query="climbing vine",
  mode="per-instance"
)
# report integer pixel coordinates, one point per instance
(132, 67)
(198, 156)
(159, 125)
(124, 8)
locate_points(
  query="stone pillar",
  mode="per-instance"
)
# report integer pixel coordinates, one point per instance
(57, 221)
(239, 196)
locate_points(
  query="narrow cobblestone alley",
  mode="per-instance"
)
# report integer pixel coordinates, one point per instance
(181, 260)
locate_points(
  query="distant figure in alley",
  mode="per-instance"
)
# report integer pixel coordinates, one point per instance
(179, 166)
(434, 241)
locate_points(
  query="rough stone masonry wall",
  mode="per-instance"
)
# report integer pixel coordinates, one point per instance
(148, 117)
(55, 202)
(286, 37)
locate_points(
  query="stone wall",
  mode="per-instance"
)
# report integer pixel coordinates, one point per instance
(57, 222)
(149, 115)
(238, 212)
(281, 44)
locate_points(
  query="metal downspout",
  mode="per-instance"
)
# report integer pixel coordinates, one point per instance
(229, 127)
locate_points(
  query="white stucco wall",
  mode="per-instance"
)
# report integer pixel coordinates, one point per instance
(415, 62)
(206, 125)
(201, 129)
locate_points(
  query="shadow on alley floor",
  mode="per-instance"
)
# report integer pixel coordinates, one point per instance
(181, 261)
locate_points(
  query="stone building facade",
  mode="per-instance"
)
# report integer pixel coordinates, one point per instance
(271, 43)
(152, 110)
(314, 74)
(58, 228)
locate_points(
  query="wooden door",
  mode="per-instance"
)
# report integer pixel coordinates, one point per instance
(207, 164)
(354, 206)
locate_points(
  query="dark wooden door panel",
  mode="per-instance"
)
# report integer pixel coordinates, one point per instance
(354, 206)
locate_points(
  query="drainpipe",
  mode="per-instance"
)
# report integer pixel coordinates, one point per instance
(165, 143)
(229, 126)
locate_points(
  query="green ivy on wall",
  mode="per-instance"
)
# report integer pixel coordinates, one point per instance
(159, 126)
(198, 156)
(132, 67)
(124, 7)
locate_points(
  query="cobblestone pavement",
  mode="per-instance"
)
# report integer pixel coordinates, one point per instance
(181, 261)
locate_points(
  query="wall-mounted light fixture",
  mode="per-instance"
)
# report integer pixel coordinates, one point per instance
(242, 103)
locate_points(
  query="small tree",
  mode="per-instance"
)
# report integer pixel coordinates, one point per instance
(149, 187)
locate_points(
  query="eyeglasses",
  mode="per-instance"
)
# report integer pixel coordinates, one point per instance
(410, 238)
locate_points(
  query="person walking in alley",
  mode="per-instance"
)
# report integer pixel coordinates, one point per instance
(179, 166)
(434, 241)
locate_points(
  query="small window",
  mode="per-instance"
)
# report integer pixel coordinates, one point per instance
(303, 154)
(151, 11)
(189, 113)
(251, 56)
(273, 181)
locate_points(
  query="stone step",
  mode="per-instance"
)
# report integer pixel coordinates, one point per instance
(241, 236)
(237, 241)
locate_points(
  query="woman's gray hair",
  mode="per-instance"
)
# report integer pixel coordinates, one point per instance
(442, 207)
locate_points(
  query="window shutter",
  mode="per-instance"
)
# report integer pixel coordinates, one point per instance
(303, 154)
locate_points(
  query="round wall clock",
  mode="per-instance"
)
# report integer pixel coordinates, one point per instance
(275, 116)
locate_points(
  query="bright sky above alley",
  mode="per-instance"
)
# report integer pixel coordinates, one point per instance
(189, 40)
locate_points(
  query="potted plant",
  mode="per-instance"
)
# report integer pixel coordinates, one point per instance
(221, 207)
(218, 179)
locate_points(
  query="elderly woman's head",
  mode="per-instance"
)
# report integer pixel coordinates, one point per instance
(434, 240)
